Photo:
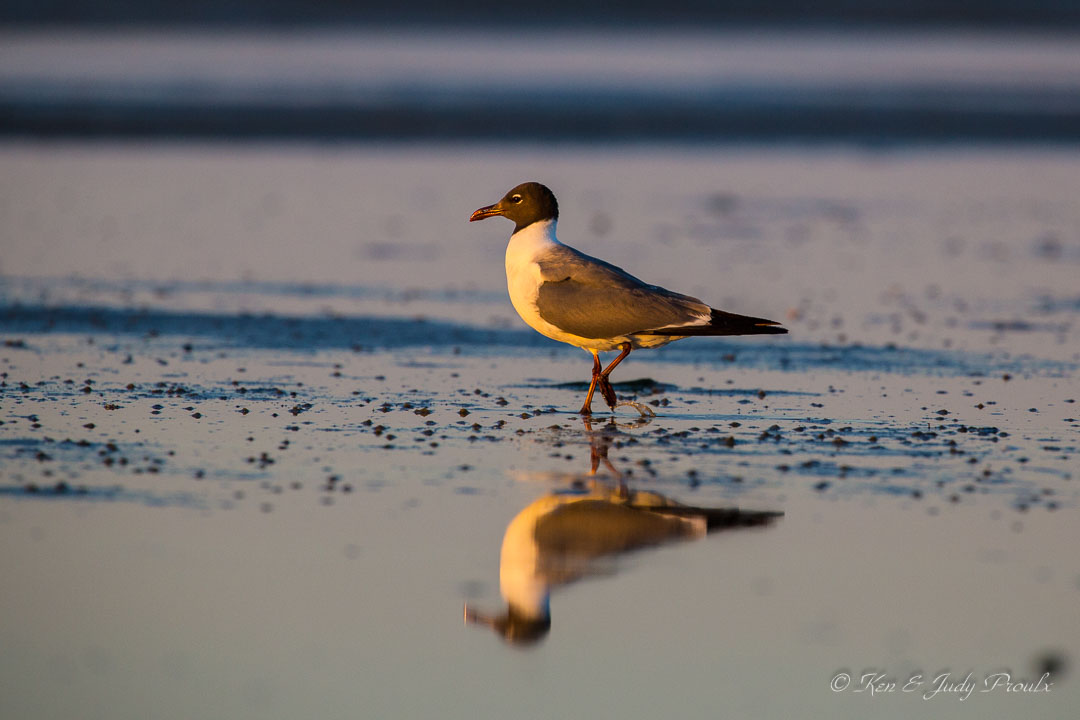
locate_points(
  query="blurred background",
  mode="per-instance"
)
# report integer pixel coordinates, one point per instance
(876, 71)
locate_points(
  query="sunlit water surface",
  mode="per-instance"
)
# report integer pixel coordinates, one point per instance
(268, 412)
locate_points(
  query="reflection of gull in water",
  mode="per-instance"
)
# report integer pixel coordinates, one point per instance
(600, 440)
(565, 536)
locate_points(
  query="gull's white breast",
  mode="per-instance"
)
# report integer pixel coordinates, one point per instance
(523, 280)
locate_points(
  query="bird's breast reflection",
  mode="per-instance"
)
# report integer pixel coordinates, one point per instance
(577, 532)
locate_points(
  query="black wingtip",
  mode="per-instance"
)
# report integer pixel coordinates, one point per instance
(768, 329)
(723, 518)
(725, 323)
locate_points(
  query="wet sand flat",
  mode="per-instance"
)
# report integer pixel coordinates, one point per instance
(267, 413)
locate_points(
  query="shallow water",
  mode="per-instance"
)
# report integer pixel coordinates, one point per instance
(267, 414)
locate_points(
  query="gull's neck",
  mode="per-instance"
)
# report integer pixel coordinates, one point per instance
(533, 238)
(521, 581)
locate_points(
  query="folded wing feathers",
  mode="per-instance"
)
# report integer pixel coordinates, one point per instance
(576, 285)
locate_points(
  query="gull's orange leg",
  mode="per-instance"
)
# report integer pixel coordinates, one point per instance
(586, 409)
(626, 347)
(606, 391)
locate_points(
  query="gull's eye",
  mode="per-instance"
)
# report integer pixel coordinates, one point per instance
(515, 199)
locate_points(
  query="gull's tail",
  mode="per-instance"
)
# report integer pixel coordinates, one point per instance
(725, 323)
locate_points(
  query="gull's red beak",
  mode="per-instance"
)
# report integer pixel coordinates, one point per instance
(486, 212)
(479, 618)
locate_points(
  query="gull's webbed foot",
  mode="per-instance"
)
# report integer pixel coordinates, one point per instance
(606, 391)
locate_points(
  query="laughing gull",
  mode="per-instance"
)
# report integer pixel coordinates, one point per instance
(577, 299)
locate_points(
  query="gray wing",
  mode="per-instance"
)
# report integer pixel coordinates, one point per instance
(599, 527)
(594, 299)
(571, 537)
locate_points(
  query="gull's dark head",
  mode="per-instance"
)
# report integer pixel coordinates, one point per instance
(514, 626)
(527, 203)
